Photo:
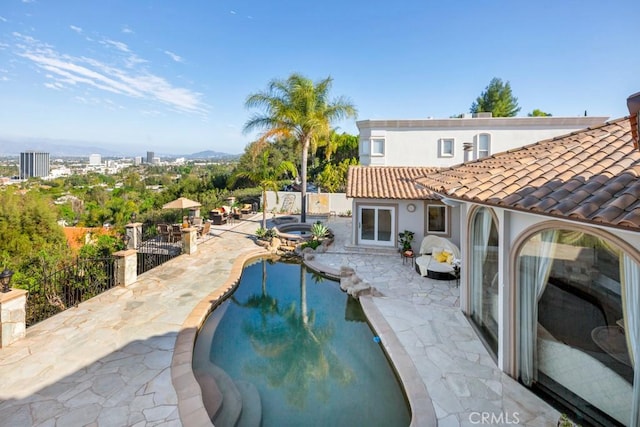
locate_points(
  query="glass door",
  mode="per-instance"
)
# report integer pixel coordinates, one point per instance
(376, 225)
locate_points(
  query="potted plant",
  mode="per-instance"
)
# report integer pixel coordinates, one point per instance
(404, 239)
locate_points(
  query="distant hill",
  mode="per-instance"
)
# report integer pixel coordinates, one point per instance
(68, 148)
(210, 154)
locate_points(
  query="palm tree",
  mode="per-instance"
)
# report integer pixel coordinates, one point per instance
(266, 176)
(298, 108)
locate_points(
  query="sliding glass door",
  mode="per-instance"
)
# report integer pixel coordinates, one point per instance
(376, 225)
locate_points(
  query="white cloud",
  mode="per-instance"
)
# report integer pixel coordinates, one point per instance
(174, 56)
(133, 81)
(3, 19)
(28, 1)
(76, 29)
(233, 12)
(127, 30)
(118, 45)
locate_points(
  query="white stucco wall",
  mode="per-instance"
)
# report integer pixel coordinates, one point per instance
(511, 226)
(289, 202)
(406, 220)
(416, 142)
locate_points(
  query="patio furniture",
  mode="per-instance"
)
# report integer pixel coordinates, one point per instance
(436, 259)
(164, 232)
(197, 221)
(204, 230)
(176, 233)
(218, 216)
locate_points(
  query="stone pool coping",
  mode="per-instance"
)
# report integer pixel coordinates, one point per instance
(190, 402)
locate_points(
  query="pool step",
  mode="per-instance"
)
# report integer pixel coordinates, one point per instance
(229, 412)
(251, 415)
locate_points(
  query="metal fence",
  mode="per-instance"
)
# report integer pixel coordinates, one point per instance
(155, 248)
(68, 287)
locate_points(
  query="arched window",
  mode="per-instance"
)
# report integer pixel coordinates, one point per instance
(484, 276)
(579, 306)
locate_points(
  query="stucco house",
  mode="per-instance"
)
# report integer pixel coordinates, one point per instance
(550, 245)
(385, 199)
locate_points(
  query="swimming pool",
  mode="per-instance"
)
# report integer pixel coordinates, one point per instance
(290, 348)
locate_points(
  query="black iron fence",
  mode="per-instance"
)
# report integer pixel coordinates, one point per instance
(156, 247)
(68, 287)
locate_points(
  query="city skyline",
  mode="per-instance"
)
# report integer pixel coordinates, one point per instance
(174, 78)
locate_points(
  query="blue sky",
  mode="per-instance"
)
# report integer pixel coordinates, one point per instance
(173, 76)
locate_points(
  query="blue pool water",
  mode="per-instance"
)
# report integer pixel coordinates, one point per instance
(305, 347)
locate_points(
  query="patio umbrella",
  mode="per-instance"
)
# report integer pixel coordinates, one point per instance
(181, 203)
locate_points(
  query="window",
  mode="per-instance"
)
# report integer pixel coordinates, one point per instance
(446, 147)
(437, 219)
(377, 147)
(365, 147)
(483, 275)
(484, 145)
(573, 320)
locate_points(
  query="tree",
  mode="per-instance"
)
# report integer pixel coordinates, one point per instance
(298, 108)
(496, 99)
(538, 113)
(266, 176)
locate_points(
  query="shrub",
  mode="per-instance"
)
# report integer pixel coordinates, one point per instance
(319, 230)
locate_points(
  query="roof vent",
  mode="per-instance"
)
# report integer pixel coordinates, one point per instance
(633, 103)
(483, 115)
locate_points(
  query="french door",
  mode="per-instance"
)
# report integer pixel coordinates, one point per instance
(376, 225)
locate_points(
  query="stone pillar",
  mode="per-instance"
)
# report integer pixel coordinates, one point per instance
(13, 314)
(189, 240)
(134, 234)
(126, 267)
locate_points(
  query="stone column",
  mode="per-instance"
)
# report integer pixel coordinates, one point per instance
(189, 240)
(134, 234)
(126, 267)
(13, 316)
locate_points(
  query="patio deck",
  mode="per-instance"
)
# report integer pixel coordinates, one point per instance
(108, 361)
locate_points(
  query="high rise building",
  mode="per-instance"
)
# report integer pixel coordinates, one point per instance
(95, 159)
(34, 163)
(150, 156)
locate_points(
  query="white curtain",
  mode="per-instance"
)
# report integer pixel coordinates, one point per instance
(535, 267)
(630, 281)
(479, 245)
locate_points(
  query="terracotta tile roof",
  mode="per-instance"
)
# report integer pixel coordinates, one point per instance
(388, 182)
(589, 175)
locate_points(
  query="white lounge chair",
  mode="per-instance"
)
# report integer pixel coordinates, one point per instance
(427, 264)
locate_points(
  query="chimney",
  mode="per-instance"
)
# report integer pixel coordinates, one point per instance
(633, 104)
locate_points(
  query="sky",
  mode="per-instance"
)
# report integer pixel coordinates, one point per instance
(173, 76)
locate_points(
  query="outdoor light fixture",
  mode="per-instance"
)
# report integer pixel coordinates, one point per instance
(133, 216)
(5, 279)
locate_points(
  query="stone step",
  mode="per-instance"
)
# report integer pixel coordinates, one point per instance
(229, 412)
(371, 250)
(251, 415)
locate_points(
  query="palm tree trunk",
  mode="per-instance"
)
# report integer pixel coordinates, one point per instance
(264, 208)
(303, 173)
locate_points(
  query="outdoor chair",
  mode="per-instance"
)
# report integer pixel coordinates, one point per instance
(197, 221)
(437, 258)
(204, 230)
(176, 233)
(163, 232)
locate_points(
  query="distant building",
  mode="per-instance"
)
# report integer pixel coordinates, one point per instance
(150, 156)
(137, 160)
(34, 164)
(95, 160)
